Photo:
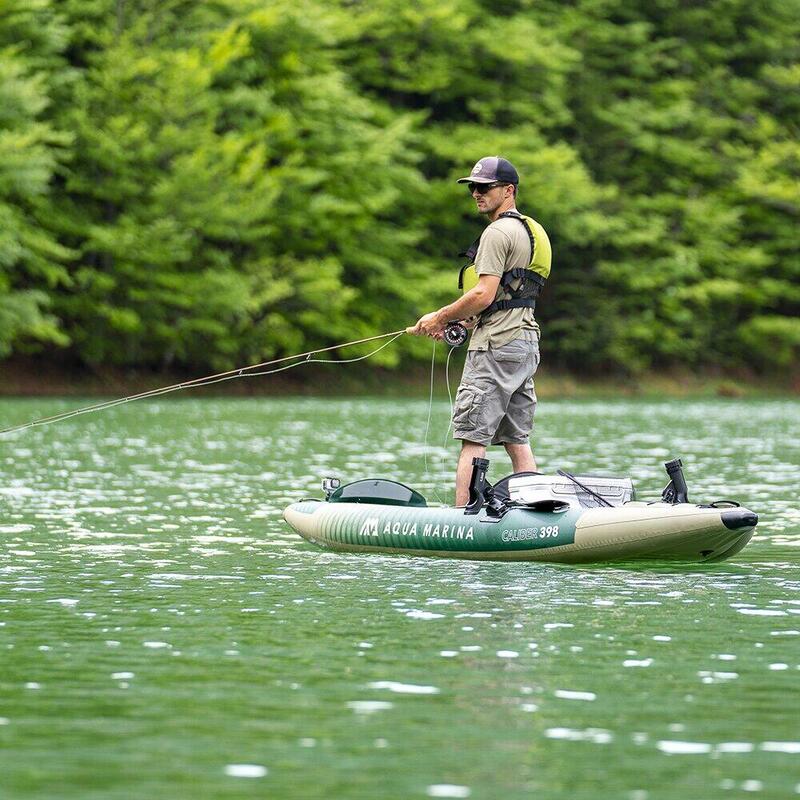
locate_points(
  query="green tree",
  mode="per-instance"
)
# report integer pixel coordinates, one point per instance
(206, 184)
(31, 259)
(681, 126)
(231, 196)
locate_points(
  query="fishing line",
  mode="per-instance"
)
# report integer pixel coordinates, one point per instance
(449, 395)
(242, 372)
(450, 400)
(428, 421)
(430, 411)
(309, 360)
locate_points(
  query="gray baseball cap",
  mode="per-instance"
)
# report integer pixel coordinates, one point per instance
(491, 169)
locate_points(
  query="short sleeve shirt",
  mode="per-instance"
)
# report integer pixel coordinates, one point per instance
(504, 245)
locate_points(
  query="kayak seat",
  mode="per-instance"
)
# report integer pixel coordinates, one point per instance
(578, 491)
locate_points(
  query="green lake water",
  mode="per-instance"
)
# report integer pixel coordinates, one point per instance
(163, 634)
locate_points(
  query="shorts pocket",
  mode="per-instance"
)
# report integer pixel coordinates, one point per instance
(515, 352)
(467, 408)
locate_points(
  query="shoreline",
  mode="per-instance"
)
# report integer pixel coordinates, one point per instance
(29, 379)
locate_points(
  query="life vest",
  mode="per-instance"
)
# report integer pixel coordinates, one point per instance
(531, 278)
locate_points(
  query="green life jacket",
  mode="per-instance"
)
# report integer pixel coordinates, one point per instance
(531, 278)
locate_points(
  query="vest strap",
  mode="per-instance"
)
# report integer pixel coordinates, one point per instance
(521, 272)
(472, 250)
(502, 305)
(517, 215)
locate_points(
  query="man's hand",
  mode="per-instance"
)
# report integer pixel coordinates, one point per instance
(468, 305)
(429, 325)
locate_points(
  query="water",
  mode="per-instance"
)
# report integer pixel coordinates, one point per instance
(163, 633)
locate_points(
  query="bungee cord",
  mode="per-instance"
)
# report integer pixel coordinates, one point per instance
(208, 380)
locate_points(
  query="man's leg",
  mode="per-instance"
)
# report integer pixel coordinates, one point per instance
(521, 455)
(469, 450)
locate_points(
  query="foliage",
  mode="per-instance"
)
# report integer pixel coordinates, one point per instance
(31, 258)
(212, 184)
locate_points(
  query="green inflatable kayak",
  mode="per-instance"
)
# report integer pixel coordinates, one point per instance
(526, 517)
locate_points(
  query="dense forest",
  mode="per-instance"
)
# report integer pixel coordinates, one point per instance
(201, 184)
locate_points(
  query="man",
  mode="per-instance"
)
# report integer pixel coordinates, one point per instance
(496, 400)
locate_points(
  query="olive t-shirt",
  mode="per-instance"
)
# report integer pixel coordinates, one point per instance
(504, 245)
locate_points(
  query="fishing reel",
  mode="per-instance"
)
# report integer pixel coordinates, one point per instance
(455, 334)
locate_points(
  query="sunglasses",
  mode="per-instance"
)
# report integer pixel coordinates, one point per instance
(483, 188)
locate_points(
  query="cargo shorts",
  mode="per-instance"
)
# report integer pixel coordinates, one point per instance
(496, 401)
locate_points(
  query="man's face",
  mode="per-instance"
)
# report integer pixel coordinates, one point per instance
(489, 197)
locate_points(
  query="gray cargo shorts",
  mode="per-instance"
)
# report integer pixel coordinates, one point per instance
(496, 400)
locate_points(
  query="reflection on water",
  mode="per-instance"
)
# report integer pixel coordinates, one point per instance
(163, 631)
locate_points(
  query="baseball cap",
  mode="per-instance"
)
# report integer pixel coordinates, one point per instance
(491, 169)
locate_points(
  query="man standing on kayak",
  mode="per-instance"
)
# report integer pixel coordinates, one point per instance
(496, 400)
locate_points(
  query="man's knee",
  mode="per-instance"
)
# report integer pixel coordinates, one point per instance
(466, 444)
(517, 447)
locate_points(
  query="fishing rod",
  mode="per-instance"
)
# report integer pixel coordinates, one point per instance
(241, 372)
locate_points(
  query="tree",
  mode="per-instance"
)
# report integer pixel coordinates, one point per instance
(31, 258)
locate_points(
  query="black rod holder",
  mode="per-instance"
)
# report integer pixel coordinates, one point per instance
(477, 485)
(676, 490)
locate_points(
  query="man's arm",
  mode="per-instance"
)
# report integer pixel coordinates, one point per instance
(472, 302)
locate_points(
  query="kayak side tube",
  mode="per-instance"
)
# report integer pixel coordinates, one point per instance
(634, 531)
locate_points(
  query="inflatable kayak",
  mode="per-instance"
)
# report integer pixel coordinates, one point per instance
(526, 517)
